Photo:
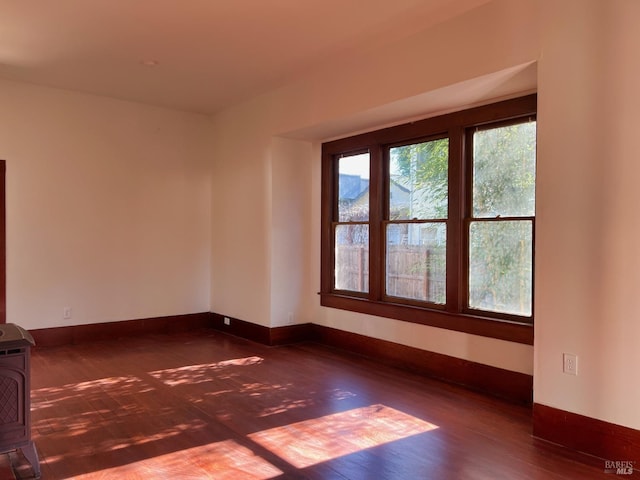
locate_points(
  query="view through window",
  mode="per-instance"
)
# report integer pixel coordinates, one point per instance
(434, 221)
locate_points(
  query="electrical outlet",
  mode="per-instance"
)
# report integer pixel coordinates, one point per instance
(66, 313)
(227, 321)
(290, 318)
(570, 364)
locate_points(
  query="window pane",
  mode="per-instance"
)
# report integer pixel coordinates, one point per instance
(418, 181)
(416, 261)
(352, 257)
(500, 266)
(504, 171)
(353, 188)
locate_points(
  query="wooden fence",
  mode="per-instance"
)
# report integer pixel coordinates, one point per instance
(412, 271)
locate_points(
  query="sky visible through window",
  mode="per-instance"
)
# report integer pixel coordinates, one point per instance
(357, 165)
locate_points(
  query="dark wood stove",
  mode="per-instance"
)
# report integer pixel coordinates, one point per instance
(15, 393)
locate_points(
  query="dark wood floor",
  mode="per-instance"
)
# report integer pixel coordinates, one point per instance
(207, 405)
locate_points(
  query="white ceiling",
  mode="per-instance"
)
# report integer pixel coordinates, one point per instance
(209, 53)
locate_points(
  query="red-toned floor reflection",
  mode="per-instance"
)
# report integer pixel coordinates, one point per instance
(314, 441)
(194, 374)
(221, 460)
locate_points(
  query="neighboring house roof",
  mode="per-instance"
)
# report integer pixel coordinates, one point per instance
(352, 186)
(399, 186)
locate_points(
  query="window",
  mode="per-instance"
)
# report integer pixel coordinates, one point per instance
(433, 222)
(351, 241)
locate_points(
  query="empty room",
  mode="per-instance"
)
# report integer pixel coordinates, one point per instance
(327, 239)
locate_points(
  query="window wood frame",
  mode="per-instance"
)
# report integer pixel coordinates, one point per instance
(455, 315)
(3, 244)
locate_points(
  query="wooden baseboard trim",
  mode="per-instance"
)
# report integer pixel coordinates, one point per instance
(74, 334)
(261, 334)
(293, 334)
(605, 440)
(512, 386)
(240, 328)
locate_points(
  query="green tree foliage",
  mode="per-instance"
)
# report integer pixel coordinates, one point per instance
(504, 171)
(501, 252)
(422, 168)
(503, 185)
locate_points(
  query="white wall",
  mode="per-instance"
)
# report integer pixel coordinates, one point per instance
(318, 104)
(241, 217)
(107, 208)
(290, 268)
(587, 264)
(586, 259)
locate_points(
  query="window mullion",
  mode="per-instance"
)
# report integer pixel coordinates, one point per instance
(376, 217)
(455, 225)
(328, 216)
(467, 215)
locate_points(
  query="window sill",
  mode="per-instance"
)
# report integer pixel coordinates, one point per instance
(475, 325)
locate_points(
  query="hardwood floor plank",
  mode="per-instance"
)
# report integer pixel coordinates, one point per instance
(6, 473)
(208, 405)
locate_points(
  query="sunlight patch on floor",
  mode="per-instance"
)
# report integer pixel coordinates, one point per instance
(318, 440)
(46, 397)
(220, 461)
(193, 374)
